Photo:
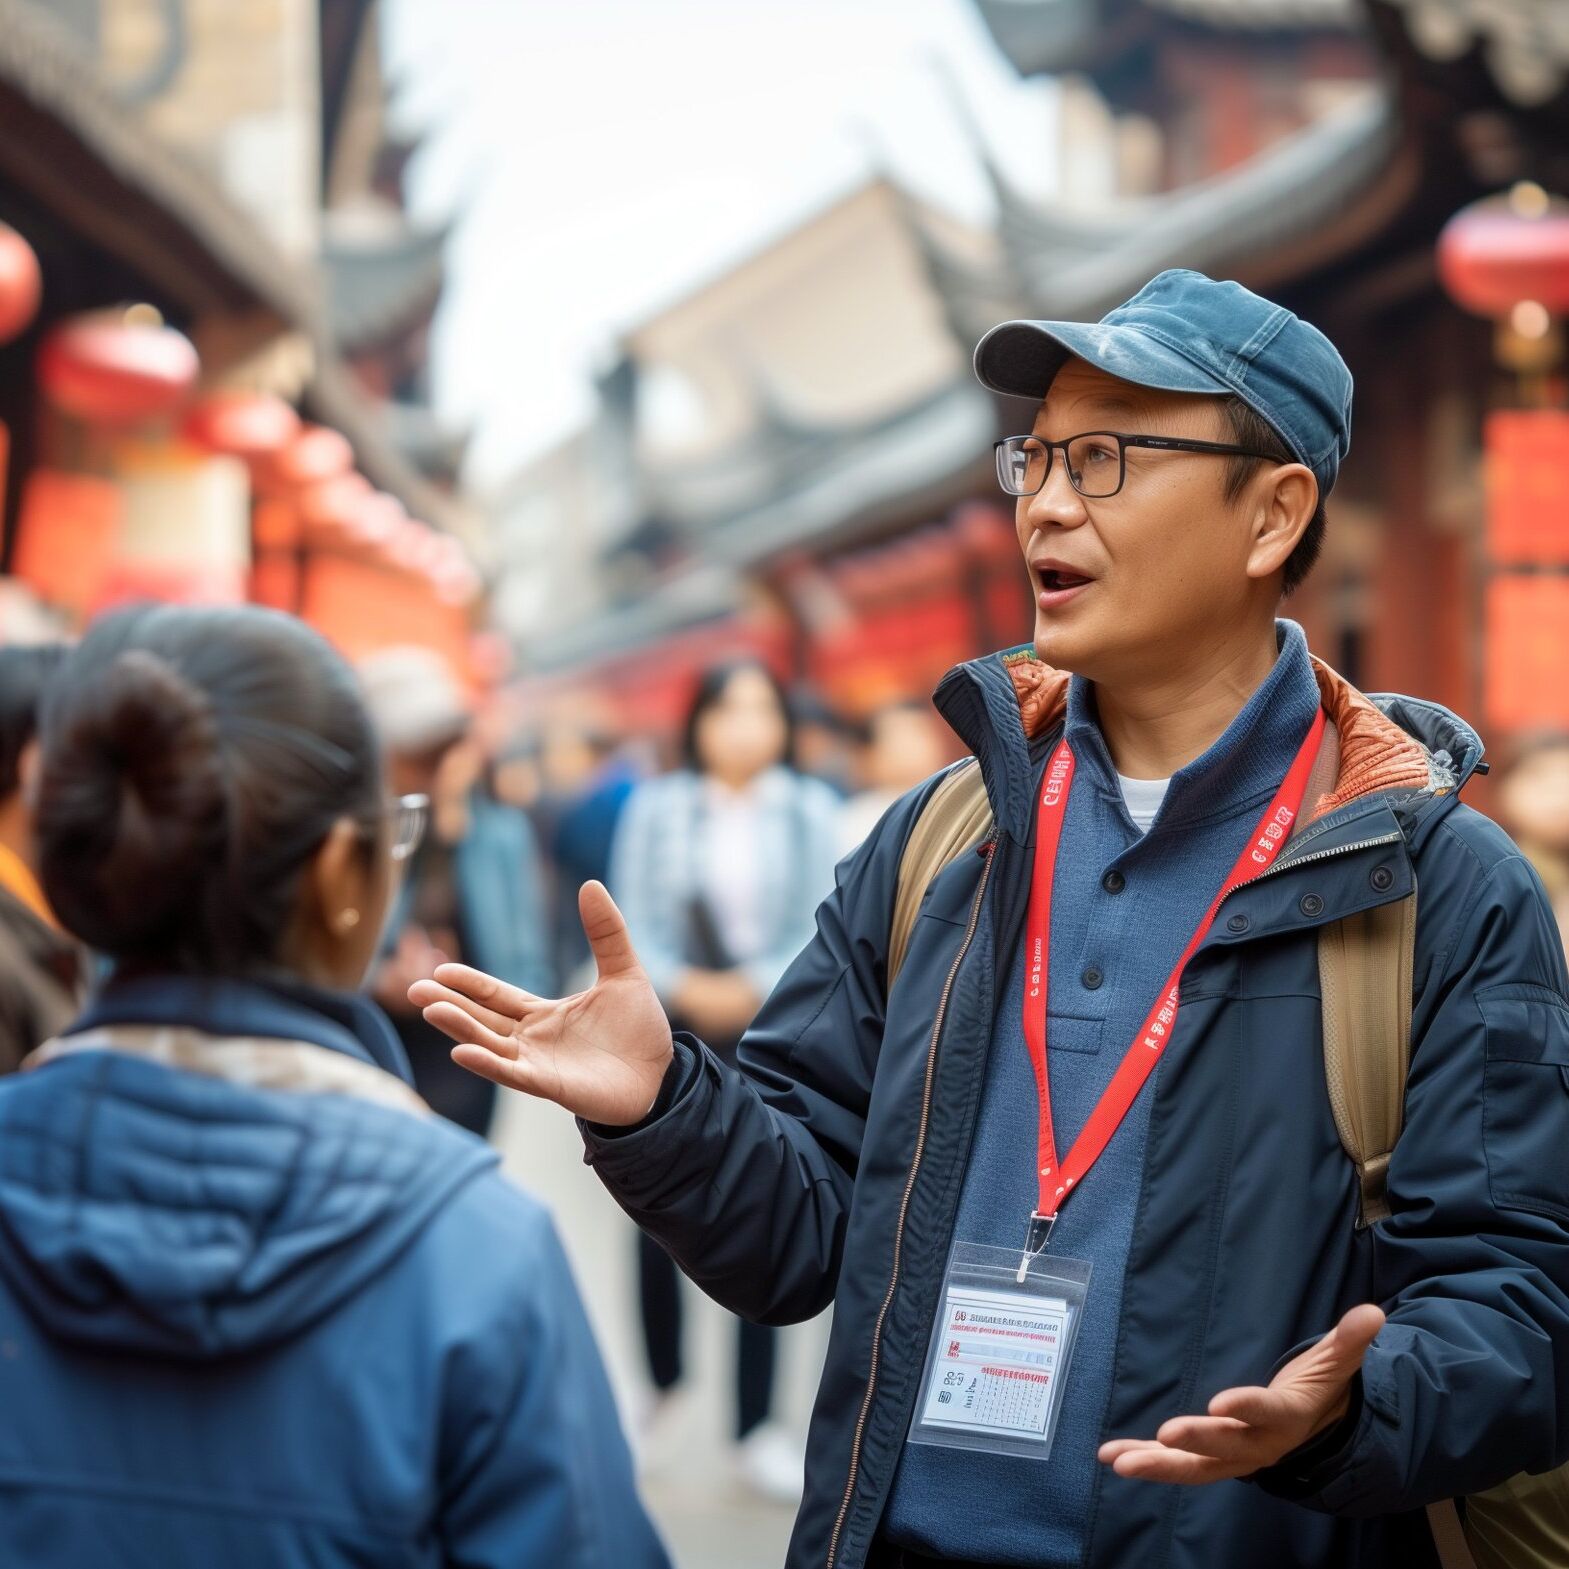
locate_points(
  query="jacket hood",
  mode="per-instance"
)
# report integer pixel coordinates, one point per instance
(174, 1191)
(1412, 751)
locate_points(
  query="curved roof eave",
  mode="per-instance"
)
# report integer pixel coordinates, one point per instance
(1314, 192)
(1307, 185)
(1046, 37)
(379, 290)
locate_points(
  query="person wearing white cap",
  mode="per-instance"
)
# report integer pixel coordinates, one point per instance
(474, 892)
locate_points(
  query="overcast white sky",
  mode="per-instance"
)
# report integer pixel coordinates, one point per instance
(607, 156)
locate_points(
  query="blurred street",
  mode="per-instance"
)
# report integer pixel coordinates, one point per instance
(709, 1518)
(477, 473)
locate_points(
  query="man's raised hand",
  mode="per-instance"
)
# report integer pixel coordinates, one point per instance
(601, 1053)
(1250, 1429)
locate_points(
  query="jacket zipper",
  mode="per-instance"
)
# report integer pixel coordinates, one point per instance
(904, 1205)
(1317, 855)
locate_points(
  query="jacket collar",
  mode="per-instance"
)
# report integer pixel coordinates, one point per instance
(277, 1008)
(254, 1062)
(1006, 707)
(1243, 768)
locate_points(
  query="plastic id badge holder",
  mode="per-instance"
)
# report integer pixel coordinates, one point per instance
(1000, 1351)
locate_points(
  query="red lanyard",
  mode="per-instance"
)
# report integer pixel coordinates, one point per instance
(1058, 1179)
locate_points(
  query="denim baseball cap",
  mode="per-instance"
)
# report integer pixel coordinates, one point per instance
(1183, 332)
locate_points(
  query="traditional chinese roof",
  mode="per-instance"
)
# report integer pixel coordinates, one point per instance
(74, 152)
(1262, 15)
(791, 482)
(382, 280)
(700, 593)
(1515, 50)
(1050, 36)
(1303, 198)
(1523, 45)
(72, 148)
(436, 450)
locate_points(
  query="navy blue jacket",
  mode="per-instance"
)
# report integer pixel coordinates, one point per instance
(247, 1327)
(828, 1168)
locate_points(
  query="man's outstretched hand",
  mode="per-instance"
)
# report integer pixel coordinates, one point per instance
(602, 1053)
(1249, 1429)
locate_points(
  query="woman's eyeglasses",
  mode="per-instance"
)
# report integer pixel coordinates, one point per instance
(408, 815)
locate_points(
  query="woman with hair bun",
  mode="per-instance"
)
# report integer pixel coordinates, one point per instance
(257, 1305)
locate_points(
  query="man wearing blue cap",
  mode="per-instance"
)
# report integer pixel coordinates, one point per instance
(1059, 1148)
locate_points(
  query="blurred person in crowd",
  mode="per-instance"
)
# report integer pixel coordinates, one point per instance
(1114, 1065)
(259, 1307)
(719, 867)
(1533, 804)
(474, 892)
(585, 778)
(901, 746)
(825, 739)
(516, 778)
(42, 970)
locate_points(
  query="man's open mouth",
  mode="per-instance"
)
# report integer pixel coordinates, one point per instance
(1054, 580)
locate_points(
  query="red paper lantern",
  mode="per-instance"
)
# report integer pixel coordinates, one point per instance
(68, 536)
(21, 283)
(275, 523)
(1498, 253)
(414, 548)
(315, 454)
(242, 424)
(330, 509)
(457, 583)
(377, 521)
(106, 370)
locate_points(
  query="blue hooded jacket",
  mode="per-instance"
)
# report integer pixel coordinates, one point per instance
(284, 1327)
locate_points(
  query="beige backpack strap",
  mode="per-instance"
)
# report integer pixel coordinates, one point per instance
(1364, 970)
(1523, 1523)
(1454, 1552)
(956, 818)
(1364, 965)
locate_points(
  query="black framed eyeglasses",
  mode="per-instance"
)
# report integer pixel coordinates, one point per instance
(1096, 460)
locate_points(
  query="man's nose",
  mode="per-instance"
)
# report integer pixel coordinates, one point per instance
(1056, 504)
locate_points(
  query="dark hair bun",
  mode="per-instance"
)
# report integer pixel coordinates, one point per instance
(132, 813)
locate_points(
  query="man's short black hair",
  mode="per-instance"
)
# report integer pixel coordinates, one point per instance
(1250, 429)
(25, 672)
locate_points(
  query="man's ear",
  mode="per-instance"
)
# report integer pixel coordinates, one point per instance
(1283, 508)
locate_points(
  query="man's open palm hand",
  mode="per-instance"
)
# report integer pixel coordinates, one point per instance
(1247, 1430)
(601, 1053)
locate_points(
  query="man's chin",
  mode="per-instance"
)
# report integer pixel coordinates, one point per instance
(1056, 646)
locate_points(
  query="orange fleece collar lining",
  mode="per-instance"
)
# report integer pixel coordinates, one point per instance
(1375, 753)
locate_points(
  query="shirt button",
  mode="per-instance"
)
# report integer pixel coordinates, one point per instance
(1237, 923)
(1382, 879)
(1114, 882)
(1311, 904)
(1092, 979)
